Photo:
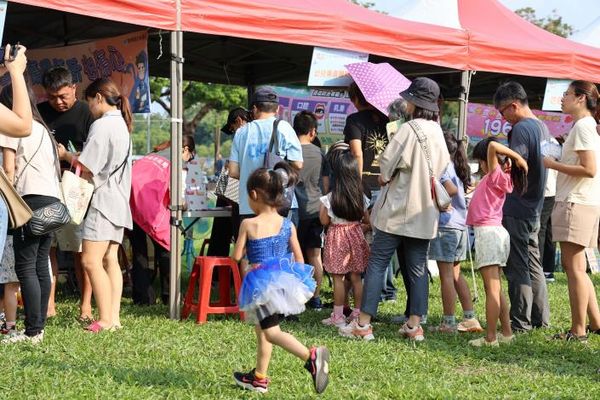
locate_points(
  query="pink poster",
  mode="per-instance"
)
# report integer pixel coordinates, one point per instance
(484, 120)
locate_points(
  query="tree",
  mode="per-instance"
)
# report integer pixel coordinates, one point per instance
(198, 99)
(366, 4)
(553, 23)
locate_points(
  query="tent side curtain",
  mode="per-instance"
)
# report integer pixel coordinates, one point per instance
(159, 14)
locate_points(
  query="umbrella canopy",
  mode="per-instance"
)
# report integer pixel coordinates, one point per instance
(381, 84)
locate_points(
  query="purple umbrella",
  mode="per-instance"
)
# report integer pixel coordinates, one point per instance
(381, 84)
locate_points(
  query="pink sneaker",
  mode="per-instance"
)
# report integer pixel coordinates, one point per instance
(334, 320)
(353, 315)
(416, 333)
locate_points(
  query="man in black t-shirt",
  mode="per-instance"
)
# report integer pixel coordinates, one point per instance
(70, 121)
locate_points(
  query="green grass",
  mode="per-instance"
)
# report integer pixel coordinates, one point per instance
(155, 358)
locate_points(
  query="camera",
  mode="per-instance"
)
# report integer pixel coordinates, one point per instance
(13, 53)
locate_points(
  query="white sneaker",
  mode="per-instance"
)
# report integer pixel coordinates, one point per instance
(20, 336)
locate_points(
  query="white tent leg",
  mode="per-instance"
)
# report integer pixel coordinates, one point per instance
(176, 166)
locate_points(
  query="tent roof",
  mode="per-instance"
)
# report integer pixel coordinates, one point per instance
(271, 40)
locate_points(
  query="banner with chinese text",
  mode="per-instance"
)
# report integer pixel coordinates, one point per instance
(124, 59)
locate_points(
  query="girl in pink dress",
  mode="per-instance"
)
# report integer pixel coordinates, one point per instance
(344, 212)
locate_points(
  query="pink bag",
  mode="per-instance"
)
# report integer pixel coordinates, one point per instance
(150, 197)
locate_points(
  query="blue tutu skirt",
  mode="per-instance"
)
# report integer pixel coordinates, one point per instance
(276, 286)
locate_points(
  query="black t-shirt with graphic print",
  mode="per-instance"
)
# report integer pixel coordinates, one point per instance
(368, 126)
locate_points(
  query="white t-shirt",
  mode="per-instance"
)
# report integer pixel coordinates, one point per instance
(586, 191)
(40, 176)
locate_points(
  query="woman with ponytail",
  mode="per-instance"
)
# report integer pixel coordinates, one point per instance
(576, 212)
(106, 159)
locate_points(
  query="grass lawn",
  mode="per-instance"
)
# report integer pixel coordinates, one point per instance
(155, 358)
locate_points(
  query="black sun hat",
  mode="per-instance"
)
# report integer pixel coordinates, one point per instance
(423, 92)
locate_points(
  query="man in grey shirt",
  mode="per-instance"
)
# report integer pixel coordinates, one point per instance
(526, 282)
(313, 183)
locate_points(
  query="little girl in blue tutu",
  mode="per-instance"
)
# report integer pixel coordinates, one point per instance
(278, 284)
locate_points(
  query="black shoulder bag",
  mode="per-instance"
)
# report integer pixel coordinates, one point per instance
(55, 215)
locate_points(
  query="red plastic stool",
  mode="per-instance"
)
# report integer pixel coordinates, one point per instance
(202, 277)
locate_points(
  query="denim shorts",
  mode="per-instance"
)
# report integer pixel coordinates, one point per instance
(450, 245)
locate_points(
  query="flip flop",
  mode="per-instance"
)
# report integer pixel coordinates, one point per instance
(95, 327)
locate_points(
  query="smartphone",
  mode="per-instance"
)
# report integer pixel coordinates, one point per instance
(13, 53)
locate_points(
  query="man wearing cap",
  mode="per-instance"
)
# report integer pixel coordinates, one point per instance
(526, 281)
(224, 228)
(251, 143)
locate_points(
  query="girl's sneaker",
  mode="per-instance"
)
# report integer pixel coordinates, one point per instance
(6, 330)
(354, 315)
(415, 333)
(249, 381)
(505, 339)
(318, 367)
(443, 328)
(469, 325)
(482, 342)
(353, 329)
(18, 337)
(334, 320)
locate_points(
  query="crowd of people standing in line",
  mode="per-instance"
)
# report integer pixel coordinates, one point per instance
(374, 188)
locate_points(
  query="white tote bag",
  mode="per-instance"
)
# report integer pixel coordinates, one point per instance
(78, 194)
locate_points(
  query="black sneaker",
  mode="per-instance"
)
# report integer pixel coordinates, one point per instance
(318, 367)
(549, 277)
(315, 304)
(249, 381)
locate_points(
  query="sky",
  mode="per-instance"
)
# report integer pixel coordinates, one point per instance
(577, 13)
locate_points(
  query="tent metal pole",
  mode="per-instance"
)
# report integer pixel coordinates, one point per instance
(176, 167)
(463, 100)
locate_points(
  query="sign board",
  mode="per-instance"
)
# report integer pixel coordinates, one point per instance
(327, 67)
(484, 120)
(554, 93)
(124, 59)
(331, 106)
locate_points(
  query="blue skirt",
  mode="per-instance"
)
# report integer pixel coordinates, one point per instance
(276, 286)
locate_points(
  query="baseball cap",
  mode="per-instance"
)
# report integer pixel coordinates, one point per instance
(265, 95)
(233, 115)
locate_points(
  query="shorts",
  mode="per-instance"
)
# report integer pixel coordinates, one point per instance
(97, 228)
(270, 321)
(575, 223)
(492, 246)
(68, 238)
(310, 233)
(450, 245)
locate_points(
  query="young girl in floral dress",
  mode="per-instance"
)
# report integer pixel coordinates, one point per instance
(344, 212)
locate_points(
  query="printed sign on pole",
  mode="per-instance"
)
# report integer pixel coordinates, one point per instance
(327, 67)
(554, 92)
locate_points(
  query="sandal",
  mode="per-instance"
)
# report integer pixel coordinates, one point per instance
(85, 321)
(95, 327)
(589, 329)
(569, 336)
(115, 328)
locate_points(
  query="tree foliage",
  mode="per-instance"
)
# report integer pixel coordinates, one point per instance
(552, 23)
(198, 99)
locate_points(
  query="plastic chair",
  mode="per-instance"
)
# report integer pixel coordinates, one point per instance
(201, 277)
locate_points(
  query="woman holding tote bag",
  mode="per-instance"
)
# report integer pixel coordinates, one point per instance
(106, 158)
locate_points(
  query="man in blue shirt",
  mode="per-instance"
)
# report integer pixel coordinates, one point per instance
(526, 282)
(251, 143)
